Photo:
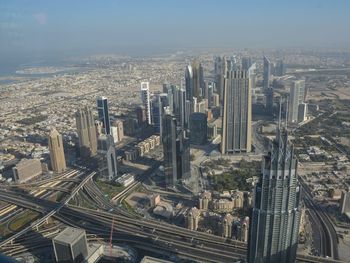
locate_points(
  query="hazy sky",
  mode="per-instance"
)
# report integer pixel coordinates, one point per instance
(65, 27)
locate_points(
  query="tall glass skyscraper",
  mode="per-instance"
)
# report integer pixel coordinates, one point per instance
(176, 149)
(276, 212)
(146, 100)
(103, 115)
(237, 113)
(267, 73)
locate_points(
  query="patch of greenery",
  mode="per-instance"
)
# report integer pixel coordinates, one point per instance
(22, 220)
(237, 178)
(111, 189)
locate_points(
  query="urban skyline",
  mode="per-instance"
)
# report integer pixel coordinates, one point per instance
(170, 132)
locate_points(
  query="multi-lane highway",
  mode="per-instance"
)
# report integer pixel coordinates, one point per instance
(145, 233)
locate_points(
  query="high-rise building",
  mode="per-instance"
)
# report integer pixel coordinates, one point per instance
(219, 74)
(103, 114)
(169, 148)
(276, 212)
(117, 130)
(27, 169)
(108, 160)
(58, 161)
(141, 115)
(280, 68)
(70, 246)
(194, 79)
(146, 100)
(176, 151)
(237, 113)
(296, 97)
(267, 73)
(302, 112)
(160, 101)
(86, 132)
(269, 95)
(246, 63)
(198, 128)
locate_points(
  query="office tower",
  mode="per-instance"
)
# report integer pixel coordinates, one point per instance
(198, 128)
(246, 63)
(108, 160)
(227, 224)
(70, 245)
(176, 151)
(183, 155)
(160, 101)
(117, 130)
(181, 111)
(237, 113)
(267, 73)
(280, 68)
(103, 114)
(120, 127)
(296, 97)
(26, 169)
(302, 112)
(211, 88)
(146, 100)
(169, 148)
(269, 99)
(219, 73)
(189, 83)
(194, 79)
(276, 212)
(86, 132)
(141, 115)
(58, 161)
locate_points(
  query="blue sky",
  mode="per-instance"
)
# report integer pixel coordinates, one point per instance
(62, 27)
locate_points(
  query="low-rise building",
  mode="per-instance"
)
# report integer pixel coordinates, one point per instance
(126, 179)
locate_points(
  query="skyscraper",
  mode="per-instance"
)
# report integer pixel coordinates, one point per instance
(219, 71)
(280, 69)
(198, 128)
(296, 97)
(246, 63)
(169, 149)
(58, 161)
(108, 160)
(194, 78)
(103, 114)
(269, 95)
(276, 212)
(160, 101)
(86, 132)
(146, 101)
(267, 73)
(176, 151)
(237, 113)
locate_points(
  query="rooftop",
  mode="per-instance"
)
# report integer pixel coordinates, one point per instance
(69, 235)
